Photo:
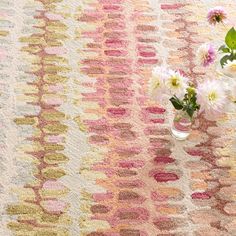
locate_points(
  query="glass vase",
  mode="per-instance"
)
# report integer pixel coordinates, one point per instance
(182, 125)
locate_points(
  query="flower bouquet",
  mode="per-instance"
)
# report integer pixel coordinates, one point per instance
(210, 96)
(187, 99)
(225, 57)
(215, 16)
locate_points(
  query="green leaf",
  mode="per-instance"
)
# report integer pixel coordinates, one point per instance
(190, 112)
(194, 99)
(223, 48)
(224, 60)
(176, 103)
(230, 38)
(233, 57)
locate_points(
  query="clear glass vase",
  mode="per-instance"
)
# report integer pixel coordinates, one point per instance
(182, 125)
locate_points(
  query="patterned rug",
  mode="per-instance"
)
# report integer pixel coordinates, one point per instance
(83, 150)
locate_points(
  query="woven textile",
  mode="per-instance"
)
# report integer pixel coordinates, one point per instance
(83, 150)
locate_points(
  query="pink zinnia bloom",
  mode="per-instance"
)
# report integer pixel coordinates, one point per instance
(206, 54)
(216, 15)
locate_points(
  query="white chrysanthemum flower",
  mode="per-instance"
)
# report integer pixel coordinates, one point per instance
(156, 85)
(205, 55)
(212, 97)
(230, 68)
(176, 83)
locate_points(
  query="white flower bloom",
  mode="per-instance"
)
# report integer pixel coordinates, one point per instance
(230, 68)
(205, 55)
(212, 97)
(156, 85)
(176, 83)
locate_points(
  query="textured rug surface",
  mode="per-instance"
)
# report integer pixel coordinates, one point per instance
(83, 151)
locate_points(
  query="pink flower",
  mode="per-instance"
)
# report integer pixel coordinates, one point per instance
(216, 15)
(206, 55)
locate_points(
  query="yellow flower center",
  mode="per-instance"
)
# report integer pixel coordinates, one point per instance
(233, 67)
(157, 84)
(212, 96)
(205, 56)
(175, 81)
